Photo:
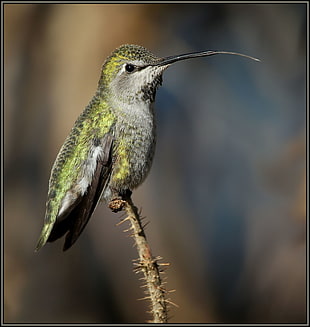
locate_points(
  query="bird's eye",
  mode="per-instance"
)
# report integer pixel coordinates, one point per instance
(130, 68)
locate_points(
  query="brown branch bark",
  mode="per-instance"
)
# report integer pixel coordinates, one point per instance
(147, 264)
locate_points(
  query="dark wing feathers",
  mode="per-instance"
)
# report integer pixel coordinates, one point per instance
(78, 215)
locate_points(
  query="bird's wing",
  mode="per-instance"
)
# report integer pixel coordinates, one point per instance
(75, 212)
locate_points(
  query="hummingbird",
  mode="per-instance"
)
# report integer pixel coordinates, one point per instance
(110, 149)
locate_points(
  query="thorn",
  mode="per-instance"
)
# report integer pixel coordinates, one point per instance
(122, 221)
(174, 304)
(140, 211)
(158, 258)
(143, 226)
(162, 289)
(164, 264)
(144, 298)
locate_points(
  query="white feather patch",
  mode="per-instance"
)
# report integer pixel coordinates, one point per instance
(82, 185)
(89, 168)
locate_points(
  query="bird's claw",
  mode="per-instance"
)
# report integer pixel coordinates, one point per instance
(117, 205)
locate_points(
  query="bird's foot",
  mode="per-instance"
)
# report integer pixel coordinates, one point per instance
(117, 204)
(119, 200)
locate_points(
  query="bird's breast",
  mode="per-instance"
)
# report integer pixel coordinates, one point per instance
(134, 148)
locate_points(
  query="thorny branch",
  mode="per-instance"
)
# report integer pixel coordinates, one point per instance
(147, 264)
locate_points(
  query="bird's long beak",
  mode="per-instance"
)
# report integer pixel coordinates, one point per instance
(171, 59)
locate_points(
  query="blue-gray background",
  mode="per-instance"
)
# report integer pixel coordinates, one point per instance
(226, 194)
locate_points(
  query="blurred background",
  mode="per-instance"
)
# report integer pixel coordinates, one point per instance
(226, 194)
